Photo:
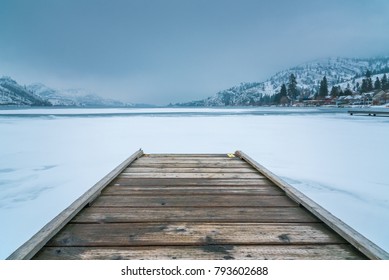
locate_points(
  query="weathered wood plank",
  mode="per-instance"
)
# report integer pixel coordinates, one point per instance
(217, 164)
(208, 252)
(185, 155)
(192, 175)
(35, 243)
(191, 190)
(355, 238)
(166, 204)
(206, 161)
(162, 234)
(190, 182)
(220, 200)
(190, 214)
(189, 157)
(133, 169)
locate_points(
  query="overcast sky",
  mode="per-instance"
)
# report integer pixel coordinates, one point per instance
(165, 51)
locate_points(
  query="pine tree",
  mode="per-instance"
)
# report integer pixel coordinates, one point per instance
(369, 82)
(336, 91)
(323, 90)
(377, 84)
(283, 91)
(348, 92)
(364, 87)
(384, 82)
(284, 95)
(292, 87)
(277, 98)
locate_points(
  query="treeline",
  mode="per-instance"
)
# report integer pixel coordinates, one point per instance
(368, 85)
(291, 93)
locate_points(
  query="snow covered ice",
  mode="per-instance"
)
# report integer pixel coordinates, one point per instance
(48, 158)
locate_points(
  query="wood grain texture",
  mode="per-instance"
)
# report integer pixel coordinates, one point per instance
(184, 156)
(204, 161)
(190, 190)
(192, 164)
(166, 234)
(190, 182)
(190, 175)
(165, 214)
(207, 252)
(193, 206)
(189, 170)
(217, 200)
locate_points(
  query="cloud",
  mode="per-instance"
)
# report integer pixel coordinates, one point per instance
(167, 51)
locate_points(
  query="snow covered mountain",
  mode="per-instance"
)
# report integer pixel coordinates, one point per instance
(73, 97)
(51, 95)
(343, 72)
(11, 93)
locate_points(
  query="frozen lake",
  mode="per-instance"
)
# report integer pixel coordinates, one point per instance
(49, 157)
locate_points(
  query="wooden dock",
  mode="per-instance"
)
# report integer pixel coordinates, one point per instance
(195, 206)
(383, 112)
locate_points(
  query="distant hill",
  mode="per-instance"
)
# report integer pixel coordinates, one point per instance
(11, 93)
(73, 97)
(343, 72)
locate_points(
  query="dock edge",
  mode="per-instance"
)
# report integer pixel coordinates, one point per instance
(37, 241)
